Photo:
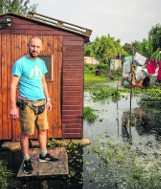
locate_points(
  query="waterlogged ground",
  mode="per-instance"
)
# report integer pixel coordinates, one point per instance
(89, 166)
(113, 121)
(114, 117)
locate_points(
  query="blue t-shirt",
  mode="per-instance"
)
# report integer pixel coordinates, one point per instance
(30, 73)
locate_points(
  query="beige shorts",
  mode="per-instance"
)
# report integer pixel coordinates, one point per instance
(29, 120)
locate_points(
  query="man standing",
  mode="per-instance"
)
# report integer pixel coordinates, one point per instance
(28, 74)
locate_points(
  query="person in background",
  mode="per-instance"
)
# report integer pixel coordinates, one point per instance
(28, 74)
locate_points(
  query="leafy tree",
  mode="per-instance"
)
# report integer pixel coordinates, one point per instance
(151, 47)
(155, 41)
(136, 46)
(87, 49)
(132, 48)
(128, 48)
(20, 7)
(104, 48)
(155, 36)
(144, 48)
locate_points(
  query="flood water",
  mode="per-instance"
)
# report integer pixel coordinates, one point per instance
(112, 121)
(123, 121)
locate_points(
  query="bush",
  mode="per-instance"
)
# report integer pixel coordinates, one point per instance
(89, 68)
(103, 67)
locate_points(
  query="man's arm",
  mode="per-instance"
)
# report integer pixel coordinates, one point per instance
(14, 110)
(45, 88)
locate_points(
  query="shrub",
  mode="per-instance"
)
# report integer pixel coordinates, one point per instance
(89, 68)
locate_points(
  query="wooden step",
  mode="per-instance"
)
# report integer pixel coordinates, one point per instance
(59, 168)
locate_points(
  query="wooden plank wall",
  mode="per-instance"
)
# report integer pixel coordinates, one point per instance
(54, 46)
(5, 131)
(66, 90)
(72, 97)
(15, 46)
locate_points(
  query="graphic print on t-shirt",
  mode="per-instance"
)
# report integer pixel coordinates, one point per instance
(35, 73)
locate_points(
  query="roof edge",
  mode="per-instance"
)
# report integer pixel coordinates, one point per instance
(60, 24)
(85, 32)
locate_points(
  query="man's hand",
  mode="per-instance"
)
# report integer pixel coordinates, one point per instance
(14, 113)
(49, 106)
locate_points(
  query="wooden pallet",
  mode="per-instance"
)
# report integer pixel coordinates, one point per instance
(59, 168)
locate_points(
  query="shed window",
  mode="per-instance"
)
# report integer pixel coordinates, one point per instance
(49, 64)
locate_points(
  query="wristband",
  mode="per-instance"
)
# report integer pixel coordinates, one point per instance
(48, 99)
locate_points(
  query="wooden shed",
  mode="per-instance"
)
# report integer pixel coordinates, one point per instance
(63, 52)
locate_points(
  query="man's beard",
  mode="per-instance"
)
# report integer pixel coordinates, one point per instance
(32, 55)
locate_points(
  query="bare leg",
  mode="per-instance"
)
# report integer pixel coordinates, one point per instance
(44, 155)
(27, 166)
(42, 138)
(24, 140)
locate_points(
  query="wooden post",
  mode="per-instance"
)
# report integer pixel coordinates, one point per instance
(130, 116)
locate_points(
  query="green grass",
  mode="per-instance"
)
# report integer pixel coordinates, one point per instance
(91, 79)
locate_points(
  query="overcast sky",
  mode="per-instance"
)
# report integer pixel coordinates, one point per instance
(127, 20)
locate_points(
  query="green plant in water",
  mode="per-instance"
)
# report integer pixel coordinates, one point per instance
(123, 166)
(75, 163)
(89, 114)
(106, 93)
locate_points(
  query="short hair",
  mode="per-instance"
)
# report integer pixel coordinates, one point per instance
(34, 37)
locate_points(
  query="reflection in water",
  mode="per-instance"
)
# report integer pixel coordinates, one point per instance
(145, 119)
(142, 125)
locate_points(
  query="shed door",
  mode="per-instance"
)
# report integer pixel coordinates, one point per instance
(13, 47)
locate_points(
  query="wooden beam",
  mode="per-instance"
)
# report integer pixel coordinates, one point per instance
(59, 23)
